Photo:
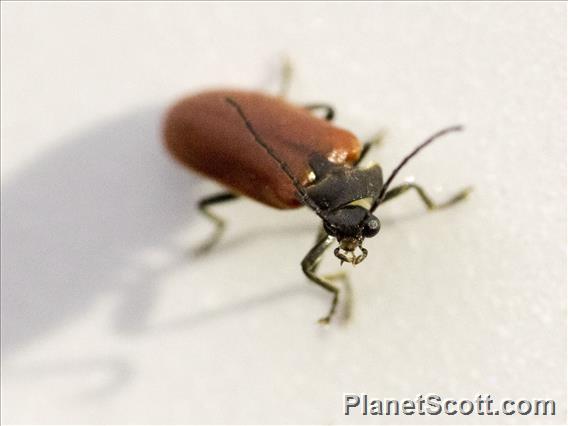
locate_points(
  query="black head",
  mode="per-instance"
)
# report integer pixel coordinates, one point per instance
(351, 225)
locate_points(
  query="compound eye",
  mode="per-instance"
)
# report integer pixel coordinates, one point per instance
(371, 228)
(330, 229)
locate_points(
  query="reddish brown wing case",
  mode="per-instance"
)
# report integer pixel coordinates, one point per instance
(205, 133)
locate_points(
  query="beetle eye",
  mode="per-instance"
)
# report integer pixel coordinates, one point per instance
(371, 228)
(329, 229)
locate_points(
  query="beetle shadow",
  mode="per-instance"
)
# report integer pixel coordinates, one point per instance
(76, 225)
(190, 321)
(73, 219)
(260, 233)
(116, 371)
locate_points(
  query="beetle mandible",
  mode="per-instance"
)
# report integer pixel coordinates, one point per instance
(284, 156)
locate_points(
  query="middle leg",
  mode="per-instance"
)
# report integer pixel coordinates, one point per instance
(204, 207)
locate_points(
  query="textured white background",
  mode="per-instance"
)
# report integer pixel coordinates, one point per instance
(108, 318)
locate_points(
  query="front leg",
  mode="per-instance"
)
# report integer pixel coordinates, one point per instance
(310, 265)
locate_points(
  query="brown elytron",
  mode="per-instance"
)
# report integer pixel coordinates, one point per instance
(204, 133)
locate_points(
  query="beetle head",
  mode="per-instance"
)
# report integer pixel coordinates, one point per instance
(351, 225)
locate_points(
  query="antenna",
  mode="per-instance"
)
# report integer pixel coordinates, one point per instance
(301, 190)
(431, 139)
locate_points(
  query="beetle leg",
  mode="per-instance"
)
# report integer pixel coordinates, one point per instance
(285, 83)
(329, 111)
(430, 204)
(203, 207)
(321, 234)
(375, 141)
(310, 265)
(286, 77)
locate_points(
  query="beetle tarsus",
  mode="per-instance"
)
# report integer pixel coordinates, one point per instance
(462, 195)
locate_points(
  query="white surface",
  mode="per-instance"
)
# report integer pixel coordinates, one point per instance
(106, 318)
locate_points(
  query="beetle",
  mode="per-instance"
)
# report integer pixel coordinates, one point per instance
(285, 156)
